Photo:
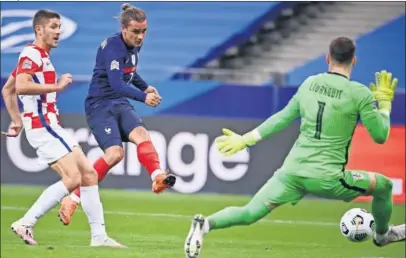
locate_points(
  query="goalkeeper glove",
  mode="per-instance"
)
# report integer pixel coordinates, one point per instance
(231, 143)
(384, 90)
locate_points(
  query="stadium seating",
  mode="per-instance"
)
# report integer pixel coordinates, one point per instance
(298, 36)
(383, 48)
(178, 34)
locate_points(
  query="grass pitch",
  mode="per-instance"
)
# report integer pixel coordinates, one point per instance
(155, 226)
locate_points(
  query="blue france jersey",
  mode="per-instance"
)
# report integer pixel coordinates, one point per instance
(114, 74)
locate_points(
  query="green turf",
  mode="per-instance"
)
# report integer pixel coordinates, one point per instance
(140, 221)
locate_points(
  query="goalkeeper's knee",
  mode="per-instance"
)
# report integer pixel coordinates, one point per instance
(383, 187)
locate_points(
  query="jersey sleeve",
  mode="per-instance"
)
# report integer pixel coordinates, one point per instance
(14, 72)
(138, 82)
(29, 61)
(114, 62)
(377, 124)
(282, 119)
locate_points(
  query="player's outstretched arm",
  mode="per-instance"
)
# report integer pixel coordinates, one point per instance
(29, 64)
(117, 83)
(10, 100)
(11, 103)
(138, 82)
(384, 90)
(230, 143)
(280, 120)
(377, 120)
(376, 123)
(114, 62)
(25, 85)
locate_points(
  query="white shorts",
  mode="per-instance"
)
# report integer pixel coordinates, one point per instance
(51, 144)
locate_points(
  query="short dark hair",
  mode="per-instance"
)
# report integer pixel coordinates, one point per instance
(130, 13)
(43, 15)
(342, 50)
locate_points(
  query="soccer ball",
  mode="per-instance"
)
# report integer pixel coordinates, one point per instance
(357, 225)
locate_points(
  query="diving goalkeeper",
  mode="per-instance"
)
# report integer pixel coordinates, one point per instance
(329, 105)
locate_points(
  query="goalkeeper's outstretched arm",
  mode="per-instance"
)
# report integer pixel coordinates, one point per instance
(275, 123)
(230, 143)
(376, 121)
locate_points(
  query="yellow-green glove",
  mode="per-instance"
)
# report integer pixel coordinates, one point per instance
(231, 143)
(384, 90)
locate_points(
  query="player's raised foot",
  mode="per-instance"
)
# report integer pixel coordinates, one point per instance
(68, 208)
(106, 241)
(163, 181)
(25, 232)
(194, 240)
(394, 234)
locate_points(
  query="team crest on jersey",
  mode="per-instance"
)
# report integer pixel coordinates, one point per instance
(115, 65)
(27, 64)
(357, 176)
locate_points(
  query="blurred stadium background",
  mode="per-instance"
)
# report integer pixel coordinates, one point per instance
(216, 64)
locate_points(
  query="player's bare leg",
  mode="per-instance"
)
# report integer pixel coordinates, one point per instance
(161, 180)
(91, 203)
(148, 157)
(112, 156)
(70, 179)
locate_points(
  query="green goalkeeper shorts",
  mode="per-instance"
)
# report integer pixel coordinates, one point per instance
(287, 188)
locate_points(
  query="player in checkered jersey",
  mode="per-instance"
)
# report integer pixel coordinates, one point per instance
(35, 83)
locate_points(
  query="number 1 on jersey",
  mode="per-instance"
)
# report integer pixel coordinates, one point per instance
(319, 119)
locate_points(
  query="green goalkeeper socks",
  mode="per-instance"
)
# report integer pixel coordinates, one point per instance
(235, 216)
(382, 203)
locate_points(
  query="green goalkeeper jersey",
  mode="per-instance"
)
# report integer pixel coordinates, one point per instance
(329, 106)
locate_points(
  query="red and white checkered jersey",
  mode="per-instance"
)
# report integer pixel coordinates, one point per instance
(39, 110)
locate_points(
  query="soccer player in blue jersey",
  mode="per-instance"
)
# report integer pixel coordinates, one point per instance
(110, 115)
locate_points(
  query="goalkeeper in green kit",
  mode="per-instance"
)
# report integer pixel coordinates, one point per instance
(329, 105)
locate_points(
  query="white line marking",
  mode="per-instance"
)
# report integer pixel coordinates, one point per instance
(184, 216)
